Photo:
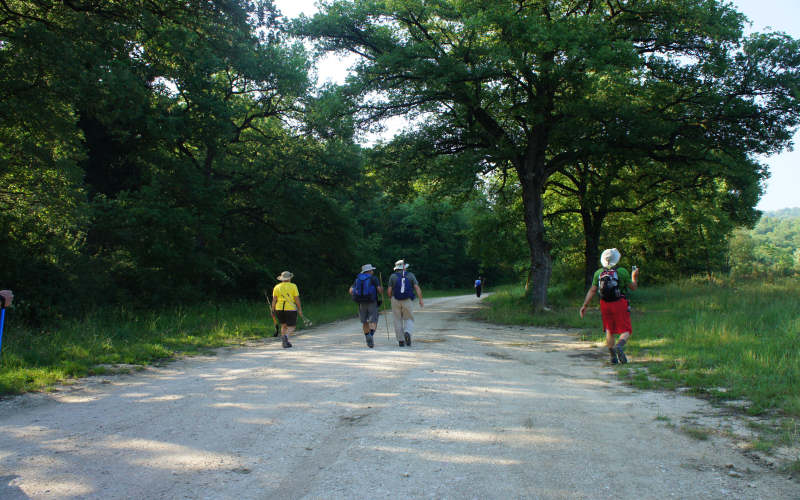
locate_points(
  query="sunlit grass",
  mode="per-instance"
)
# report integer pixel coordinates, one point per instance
(111, 340)
(740, 336)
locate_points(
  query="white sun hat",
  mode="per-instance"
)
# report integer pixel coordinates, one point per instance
(285, 276)
(610, 257)
(401, 265)
(367, 267)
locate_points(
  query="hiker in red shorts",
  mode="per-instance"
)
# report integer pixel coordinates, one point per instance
(611, 282)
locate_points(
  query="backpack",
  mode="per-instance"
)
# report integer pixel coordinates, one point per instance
(403, 288)
(609, 285)
(364, 289)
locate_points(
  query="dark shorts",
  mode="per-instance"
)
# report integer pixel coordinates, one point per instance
(288, 318)
(616, 317)
(368, 312)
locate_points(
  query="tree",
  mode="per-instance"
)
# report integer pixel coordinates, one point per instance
(156, 150)
(516, 83)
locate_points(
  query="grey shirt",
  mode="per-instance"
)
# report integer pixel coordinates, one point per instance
(393, 279)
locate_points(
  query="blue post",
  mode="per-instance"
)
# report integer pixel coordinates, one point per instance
(2, 322)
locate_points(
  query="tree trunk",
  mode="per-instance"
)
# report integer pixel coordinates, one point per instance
(591, 249)
(541, 263)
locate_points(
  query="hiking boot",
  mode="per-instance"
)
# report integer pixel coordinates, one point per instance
(370, 343)
(407, 336)
(286, 342)
(613, 353)
(401, 343)
(621, 355)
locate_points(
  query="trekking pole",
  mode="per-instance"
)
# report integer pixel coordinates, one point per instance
(271, 313)
(380, 276)
(2, 323)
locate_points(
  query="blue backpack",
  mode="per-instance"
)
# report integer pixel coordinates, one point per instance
(364, 289)
(403, 288)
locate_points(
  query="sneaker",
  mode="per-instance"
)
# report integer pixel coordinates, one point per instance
(401, 343)
(370, 343)
(407, 336)
(621, 355)
(286, 342)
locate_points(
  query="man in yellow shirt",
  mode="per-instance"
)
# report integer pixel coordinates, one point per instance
(286, 305)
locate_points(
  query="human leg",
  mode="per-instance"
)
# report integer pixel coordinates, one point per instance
(620, 347)
(616, 321)
(397, 317)
(288, 321)
(610, 344)
(408, 321)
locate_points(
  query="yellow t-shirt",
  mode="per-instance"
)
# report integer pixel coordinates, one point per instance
(285, 293)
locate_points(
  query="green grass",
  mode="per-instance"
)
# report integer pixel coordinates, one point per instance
(696, 432)
(33, 360)
(725, 340)
(722, 340)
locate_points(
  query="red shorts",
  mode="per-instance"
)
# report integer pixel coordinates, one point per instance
(616, 317)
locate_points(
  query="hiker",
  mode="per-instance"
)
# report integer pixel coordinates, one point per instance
(402, 285)
(286, 306)
(366, 291)
(478, 286)
(6, 298)
(611, 282)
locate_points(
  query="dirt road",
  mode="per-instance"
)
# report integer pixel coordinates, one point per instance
(469, 411)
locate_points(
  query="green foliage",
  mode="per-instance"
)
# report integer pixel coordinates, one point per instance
(654, 100)
(772, 248)
(428, 232)
(146, 156)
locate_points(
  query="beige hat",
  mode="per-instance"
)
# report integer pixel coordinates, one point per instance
(285, 276)
(610, 257)
(367, 267)
(401, 265)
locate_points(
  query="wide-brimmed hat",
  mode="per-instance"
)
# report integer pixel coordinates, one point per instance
(610, 257)
(285, 276)
(401, 265)
(367, 267)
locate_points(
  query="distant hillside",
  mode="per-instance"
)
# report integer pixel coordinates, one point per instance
(784, 213)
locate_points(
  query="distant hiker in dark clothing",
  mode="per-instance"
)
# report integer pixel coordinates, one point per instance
(611, 283)
(402, 286)
(478, 286)
(286, 306)
(366, 291)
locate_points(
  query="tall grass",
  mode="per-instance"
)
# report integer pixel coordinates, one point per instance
(725, 339)
(106, 339)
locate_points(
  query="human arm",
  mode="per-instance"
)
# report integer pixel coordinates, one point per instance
(634, 284)
(299, 306)
(419, 294)
(589, 296)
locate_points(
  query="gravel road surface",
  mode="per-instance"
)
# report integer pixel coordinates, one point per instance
(470, 410)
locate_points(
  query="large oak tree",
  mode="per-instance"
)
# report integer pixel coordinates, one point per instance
(524, 84)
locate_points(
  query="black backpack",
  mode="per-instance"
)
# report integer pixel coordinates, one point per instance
(608, 287)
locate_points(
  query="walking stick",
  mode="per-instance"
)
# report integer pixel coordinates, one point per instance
(380, 276)
(2, 322)
(271, 313)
